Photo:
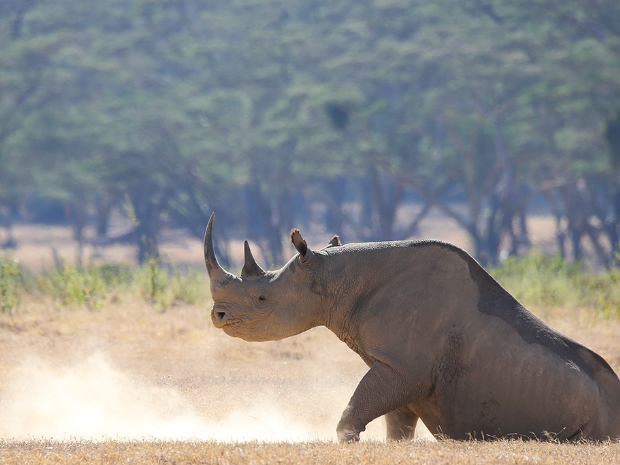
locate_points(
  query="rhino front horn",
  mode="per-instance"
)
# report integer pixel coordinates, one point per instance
(219, 276)
(251, 269)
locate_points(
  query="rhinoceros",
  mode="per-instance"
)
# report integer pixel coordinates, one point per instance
(444, 341)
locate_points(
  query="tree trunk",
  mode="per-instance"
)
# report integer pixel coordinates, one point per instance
(334, 194)
(148, 225)
(76, 214)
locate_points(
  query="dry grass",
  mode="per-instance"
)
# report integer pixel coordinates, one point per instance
(131, 384)
(417, 452)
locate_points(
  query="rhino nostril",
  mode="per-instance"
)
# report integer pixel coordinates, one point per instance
(220, 318)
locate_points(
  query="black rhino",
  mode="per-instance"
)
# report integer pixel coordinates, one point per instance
(444, 341)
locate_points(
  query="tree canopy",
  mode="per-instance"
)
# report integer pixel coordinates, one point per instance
(275, 112)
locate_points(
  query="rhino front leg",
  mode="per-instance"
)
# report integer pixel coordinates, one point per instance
(380, 391)
(400, 424)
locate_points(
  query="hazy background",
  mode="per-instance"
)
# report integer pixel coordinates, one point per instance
(128, 119)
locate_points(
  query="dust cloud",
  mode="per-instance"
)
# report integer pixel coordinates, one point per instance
(94, 400)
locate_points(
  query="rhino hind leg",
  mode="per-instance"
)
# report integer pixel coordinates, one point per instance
(401, 424)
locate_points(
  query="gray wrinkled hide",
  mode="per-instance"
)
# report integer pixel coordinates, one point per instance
(443, 340)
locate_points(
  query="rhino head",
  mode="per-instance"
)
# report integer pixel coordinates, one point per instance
(265, 305)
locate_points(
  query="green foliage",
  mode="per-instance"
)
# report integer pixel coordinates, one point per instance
(117, 278)
(164, 287)
(11, 286)
(602, 292)
(93, 285)
(539, 280)
(190, 287)
(153, 283)
(174, 105)
(551, 281)
(535, 280)
(73, 285)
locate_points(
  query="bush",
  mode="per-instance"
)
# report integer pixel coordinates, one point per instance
(74, 285)
(535, 280)
(90, 285)
(602, 292)
(116, 277)
(551, 281)
(164, 286)
(539, 280)
(153, 283)
(11, 286)
(190, 287)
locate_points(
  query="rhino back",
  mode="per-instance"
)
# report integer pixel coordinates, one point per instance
(494, 300)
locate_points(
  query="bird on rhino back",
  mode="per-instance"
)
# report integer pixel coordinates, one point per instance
(444, 342)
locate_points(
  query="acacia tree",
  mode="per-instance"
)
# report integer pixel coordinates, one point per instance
(24, 72)
(576, 102)
(278, 113)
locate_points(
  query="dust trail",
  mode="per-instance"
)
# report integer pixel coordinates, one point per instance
(93, 400)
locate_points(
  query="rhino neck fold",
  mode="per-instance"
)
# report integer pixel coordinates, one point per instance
(339, 315)
(336, 321)
(349, 283)
(340, 321)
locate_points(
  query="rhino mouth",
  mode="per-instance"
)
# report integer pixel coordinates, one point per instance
(227, 325)
(231, 323)
(232, 329)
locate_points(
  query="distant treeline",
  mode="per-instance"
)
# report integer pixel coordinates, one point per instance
(276, 113)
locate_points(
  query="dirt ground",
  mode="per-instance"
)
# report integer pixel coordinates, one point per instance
(184, 378)
(134, 383)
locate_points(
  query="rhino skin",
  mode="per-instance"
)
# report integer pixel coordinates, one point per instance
(444, 341)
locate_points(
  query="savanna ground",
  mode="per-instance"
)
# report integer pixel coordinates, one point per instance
(130, 382)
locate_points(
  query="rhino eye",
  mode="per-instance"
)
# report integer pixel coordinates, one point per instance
(262, 298)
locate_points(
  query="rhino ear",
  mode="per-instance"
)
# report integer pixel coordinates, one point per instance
(251, 269)
(334, 242)
(299, 243)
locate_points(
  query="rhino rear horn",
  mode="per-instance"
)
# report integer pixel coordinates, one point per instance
(251, 269)
(219, 276)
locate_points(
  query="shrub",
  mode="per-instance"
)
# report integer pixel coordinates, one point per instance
(602, 292)
(153, 282)
(163, 286)
(74, 285)
(190, 287)
(11, 287)
(158, 284)
(540, 280)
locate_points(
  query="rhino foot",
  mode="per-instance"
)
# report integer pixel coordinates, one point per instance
(347, 430)
(347, 434)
